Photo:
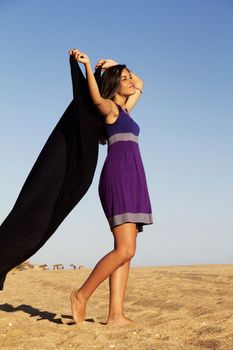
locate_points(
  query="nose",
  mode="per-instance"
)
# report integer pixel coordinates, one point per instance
(131, 83)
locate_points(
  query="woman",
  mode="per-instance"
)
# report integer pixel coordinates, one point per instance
(122, 186)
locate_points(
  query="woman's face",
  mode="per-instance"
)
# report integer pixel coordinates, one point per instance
(127, 85)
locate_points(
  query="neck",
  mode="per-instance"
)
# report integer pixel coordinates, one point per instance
(120, 100)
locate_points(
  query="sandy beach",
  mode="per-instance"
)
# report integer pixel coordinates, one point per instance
(174, 307)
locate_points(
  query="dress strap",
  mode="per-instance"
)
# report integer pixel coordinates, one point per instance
(120, 108)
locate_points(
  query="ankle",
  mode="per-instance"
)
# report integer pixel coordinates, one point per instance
(81, 296)
(116, 315)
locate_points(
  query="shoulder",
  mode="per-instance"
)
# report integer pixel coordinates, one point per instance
(114, 113)
(106, 107)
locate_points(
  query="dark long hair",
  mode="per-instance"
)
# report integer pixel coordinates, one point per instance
(108, 84)
(110, 80)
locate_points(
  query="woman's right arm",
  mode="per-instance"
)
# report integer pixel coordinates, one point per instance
(103, 105)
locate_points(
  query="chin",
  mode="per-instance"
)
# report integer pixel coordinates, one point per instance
(129, 93)
(133, 92)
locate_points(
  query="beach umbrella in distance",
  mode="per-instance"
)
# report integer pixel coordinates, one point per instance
(74, 266)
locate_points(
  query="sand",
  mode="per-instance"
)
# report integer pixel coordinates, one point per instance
(175, 307)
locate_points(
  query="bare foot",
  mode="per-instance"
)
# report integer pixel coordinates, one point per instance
(119, 321)
(78, 306)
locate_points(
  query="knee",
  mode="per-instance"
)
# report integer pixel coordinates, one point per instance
(126, 254)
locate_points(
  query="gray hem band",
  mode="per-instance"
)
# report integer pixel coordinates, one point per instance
(143, 218)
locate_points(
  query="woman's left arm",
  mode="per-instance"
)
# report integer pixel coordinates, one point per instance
(109, 63)
(133, 99)
(138, 82)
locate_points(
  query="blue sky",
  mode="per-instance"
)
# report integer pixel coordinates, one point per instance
(183, 50)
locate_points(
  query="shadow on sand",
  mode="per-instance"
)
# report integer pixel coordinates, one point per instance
(43, 315)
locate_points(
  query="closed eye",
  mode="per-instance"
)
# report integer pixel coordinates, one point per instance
(124, 78)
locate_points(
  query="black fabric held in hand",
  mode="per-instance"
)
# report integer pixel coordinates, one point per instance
(58, 180)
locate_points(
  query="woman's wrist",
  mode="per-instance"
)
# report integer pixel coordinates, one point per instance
(137, 88)
(105, 63)
(87, 63)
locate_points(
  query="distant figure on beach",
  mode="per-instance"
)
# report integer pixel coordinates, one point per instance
(122, 186)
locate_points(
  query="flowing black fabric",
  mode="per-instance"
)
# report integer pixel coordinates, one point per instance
(58, 180)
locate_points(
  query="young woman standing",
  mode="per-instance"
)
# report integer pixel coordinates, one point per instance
(122, 186)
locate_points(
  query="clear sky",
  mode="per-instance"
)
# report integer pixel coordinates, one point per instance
(183, 50)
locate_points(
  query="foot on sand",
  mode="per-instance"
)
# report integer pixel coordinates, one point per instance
(78, 306)
(119, 321)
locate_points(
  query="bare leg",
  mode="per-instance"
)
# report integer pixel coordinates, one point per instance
(117, 286)
(125, 238)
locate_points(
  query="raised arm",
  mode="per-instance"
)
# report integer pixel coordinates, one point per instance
(103, 105)
(138, 82)
(133, 99)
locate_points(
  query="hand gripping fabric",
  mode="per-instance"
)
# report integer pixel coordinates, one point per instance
(60, 177)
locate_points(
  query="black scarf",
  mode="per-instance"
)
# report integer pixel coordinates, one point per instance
(58, 180)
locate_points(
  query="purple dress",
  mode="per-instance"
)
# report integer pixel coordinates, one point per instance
(122, 186)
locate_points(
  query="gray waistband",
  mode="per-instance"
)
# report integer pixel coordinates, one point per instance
(126, 136)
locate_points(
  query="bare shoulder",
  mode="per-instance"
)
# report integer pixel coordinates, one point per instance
(107, 108)
(113, 115)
